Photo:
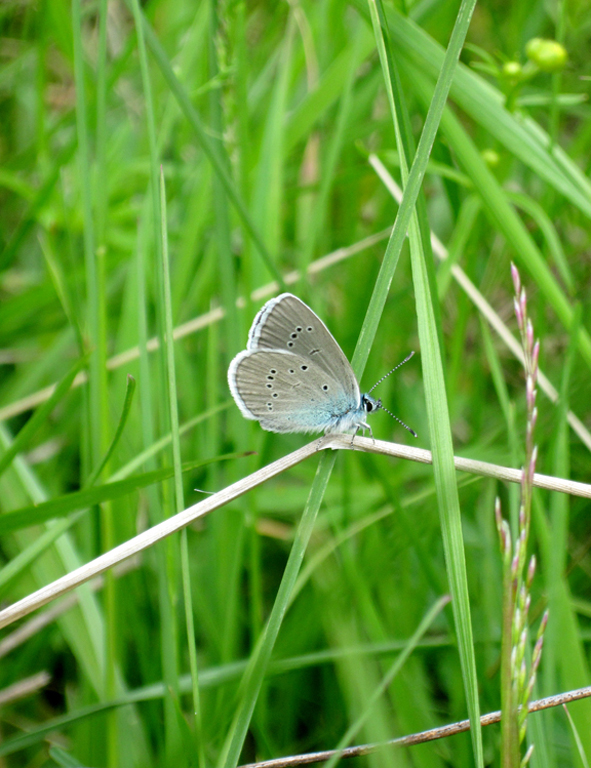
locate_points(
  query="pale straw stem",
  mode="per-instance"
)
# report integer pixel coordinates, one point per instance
(146, 539)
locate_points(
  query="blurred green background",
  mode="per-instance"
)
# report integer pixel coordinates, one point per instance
(290, 100)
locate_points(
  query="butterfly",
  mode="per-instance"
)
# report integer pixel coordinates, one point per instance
(294, 377)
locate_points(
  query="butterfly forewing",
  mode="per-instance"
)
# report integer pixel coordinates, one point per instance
(287, 324)
(287, 392)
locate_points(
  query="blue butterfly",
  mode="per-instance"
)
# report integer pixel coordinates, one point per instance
(294, 377)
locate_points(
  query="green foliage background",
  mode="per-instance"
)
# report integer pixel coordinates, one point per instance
(289, 101)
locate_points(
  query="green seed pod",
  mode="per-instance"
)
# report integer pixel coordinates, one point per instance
(548, 55)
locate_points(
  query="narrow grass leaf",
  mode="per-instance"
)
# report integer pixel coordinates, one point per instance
(548, 230)
(257, 666)
(129, 393)
(178, 482)
(431, 358)
(40, 416)
(395, 668)
(63, 505)
(302, 120)
(411, 188)
(521, 135)
(93, 402)
(208, 147)
(504, 217)
(167, 572)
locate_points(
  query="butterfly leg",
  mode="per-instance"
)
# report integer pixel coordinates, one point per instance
(364, 425)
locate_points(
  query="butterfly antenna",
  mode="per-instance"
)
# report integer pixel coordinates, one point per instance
(412, 432)
(406, 359)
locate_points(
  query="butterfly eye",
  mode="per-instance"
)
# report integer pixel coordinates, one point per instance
(299, 329)
(290, 343)
(325, 387)
(271, 378)
(275, 394)
(294, 335)
(269, 386)
(304, 367)
(309, 329)
(273, 371)
(291, 370)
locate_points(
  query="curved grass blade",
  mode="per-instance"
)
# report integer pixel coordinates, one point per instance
(34, 550)
(508, 222)
(521, 135)
(129, 392)
(257, 666)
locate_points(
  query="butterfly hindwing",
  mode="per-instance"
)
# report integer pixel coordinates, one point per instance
(287, 392)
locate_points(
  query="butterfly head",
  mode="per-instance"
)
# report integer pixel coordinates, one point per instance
(370, 404)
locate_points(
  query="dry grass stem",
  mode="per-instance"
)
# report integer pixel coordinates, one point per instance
(23, 688)
(464, 465)
(44, 618)
(418, 738)
(146, 539)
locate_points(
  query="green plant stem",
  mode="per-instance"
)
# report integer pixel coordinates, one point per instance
(259, 660)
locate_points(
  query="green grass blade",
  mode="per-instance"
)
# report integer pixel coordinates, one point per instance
(257, 666)
(523, 137)
(547, 228)
(210, 150)
(171, 387)
(166, 556)
(129, 393)
(23, 438)
(432, 364)
(267, 200)
(411, 190)
(63, 505)
(332, 83)
(94, 405)
(564, 660)
(504, 217)
(395, 668)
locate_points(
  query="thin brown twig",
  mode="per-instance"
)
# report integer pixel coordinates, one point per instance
(416, 738)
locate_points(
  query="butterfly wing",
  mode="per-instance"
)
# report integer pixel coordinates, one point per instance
(287, 392)
(286, 323)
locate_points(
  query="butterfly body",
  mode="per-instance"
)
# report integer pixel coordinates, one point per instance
(294, 377)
